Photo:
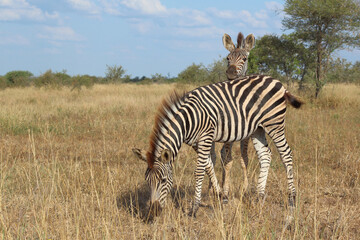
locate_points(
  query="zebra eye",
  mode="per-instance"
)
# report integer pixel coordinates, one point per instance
(163, 180)
(244, 59)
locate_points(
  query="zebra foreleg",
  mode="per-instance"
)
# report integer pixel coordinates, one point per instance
(204, 164)
(244, 161)
(226, 160)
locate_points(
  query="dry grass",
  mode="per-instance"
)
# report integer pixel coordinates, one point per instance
(67, 170)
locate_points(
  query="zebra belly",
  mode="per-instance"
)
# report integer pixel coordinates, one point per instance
(233, 129)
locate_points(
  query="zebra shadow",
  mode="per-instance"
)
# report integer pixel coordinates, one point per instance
(136, 201)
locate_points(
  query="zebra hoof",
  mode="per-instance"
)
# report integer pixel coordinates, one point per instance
(192, 214)
(292, 201)
(225, 199)
(193, 210)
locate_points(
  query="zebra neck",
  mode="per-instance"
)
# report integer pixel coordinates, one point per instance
(168, 138)
(168, 132)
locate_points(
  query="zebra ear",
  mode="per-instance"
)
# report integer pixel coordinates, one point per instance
(140, 154)
(228, 44)
(165, 156)
(249, 42)
(240, 40)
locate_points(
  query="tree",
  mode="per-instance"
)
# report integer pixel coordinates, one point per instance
(283, 57)
(326, 26)
(18, 78)
(114, 73)
(194, 74)
(217, 70)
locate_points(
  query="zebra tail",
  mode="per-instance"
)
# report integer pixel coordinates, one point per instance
(296, 103)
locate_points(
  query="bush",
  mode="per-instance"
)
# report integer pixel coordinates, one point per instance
(114, 74)
(82, 80)
(3, 82)
(60, 79)
(47, 79)
(18, 78)
(217, 71)
(194, 74)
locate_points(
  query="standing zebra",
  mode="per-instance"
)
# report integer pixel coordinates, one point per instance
(237, 67)
(224, 112)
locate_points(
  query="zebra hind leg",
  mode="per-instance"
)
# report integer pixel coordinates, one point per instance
(213, 160)
(264, 156)
(278, 136)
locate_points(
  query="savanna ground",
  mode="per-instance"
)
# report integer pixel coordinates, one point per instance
(67, 170)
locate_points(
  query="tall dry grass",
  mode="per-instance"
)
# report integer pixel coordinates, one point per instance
(67, 170)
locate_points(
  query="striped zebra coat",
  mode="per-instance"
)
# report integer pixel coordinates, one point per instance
(222, 112)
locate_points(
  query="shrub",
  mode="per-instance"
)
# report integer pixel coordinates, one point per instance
(82, 80)
(194, 74)
(3, 82)
(47, 79)
(114, 74)
(18, 78)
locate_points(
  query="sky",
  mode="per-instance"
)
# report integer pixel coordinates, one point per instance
(145, 37)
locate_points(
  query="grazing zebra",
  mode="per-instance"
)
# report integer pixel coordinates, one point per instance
(237, 67)
(224, 112)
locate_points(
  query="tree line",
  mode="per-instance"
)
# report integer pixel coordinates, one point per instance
(306, 56)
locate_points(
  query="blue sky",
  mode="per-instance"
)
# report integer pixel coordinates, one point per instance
(143, 36)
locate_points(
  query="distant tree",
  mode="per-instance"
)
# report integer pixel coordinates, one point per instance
(283, 57)
(158, 78)
(82, 80)
(342, 71)
(194, 74)
(114, 73)
(325, 26)
(217, 70)
(47, 79)
(18, 78)
(355, 73)
(3, 82)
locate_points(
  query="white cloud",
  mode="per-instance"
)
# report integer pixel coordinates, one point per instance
(152, 7)
(60, 34)
(244, 17)
(274, 6)
(12, 10)
(189, 18)
(262, 14)
(210, 31)
(223, 14)
(142, 26)
(111, 7)
(14, 40)
(85, 5)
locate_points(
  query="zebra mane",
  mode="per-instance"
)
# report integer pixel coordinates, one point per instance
(168, 104)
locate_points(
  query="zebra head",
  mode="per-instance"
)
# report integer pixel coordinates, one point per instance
(159, 177)
(237, 58)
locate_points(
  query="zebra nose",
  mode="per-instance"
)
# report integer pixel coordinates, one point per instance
(231, 72)
(155, 208)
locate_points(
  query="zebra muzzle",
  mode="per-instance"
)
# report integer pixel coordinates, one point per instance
(231, 72)
(155, 208)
